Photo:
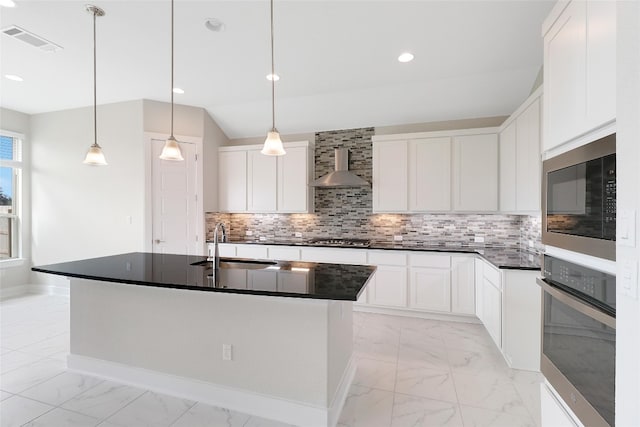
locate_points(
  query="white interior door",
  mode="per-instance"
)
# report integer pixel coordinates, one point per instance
(174, 201)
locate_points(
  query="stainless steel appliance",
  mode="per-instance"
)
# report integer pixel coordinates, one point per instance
(360, 243)
(579, 338)
(579, 199)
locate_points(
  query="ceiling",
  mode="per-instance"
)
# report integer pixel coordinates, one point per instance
(337, 59)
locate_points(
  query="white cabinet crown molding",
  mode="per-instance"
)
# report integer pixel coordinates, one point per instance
(259, 147)
(435, 134)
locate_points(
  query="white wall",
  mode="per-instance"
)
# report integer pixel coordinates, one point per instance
(19, 275)
(187, 120)
(82, 211)
(628, 159)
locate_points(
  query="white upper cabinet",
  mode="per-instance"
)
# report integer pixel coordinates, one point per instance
(252, 182)
(262, 177)
(390, 176)
(475, 173)
(579, 69)
(430, 174)
(520, 159)
(232, 178)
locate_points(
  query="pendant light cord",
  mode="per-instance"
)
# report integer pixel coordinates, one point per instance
(273, 79)
(95, 114)
(171, 68)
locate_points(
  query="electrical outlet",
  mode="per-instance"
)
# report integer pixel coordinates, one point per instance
(478, 239)
(298, 234)
(263, 238)
(248, 233)
(630, 278)
(530, 243)
(397, 238)
(227, 352)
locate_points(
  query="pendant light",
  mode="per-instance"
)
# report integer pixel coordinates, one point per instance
(95, 156)
(273, 143)
(171, 149)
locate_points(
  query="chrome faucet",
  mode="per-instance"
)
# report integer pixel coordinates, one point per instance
(216, 254)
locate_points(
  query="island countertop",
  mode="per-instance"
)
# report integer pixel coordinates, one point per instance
(270, 278)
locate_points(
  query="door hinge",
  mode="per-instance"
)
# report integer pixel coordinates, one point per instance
(196, 237)
(196, 157)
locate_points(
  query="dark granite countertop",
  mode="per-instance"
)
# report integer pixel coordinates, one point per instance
(504, 257)
(302, 279)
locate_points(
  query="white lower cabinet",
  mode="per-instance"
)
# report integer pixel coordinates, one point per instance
(294, 282)
(463, 298)
(389, 286)
(430, 289)
(262, 280)
(492, 310)
(552, 413)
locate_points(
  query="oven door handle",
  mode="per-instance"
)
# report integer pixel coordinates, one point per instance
(577, 305)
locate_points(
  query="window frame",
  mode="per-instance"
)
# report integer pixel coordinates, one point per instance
(17, 232)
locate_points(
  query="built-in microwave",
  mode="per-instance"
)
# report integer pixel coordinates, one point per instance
(579, 199)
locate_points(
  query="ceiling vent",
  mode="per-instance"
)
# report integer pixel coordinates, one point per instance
(31, 39)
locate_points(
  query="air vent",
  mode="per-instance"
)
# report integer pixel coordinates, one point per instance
(31, 39)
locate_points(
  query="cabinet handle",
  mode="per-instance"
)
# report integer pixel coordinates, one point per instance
(158, 241)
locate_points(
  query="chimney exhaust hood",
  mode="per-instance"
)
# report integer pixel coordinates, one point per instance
(341, 177)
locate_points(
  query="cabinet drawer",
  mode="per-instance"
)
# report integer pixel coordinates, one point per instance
(429, 260)
(252, 251)
(224, 249)
(284, 253)
(387, 258)
(492, 275)
(335, 256)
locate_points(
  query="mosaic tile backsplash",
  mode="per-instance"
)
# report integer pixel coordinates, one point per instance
(347, 212)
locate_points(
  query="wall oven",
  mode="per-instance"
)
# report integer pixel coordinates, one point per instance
(579, 199)
(579, 338)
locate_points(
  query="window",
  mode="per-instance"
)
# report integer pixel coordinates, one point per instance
(10, 192)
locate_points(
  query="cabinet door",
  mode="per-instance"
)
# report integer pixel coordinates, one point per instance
(528, 159)
(508, 168)
(564, 76)
(389, 287)
(232, 175)
(262, 182)
(293, 181)
(475, 173)
(601, 62)
(463, 285)
(552, 412)
(289, 281)
(390, 176)
(262, 280)
(430, 174)
(430, 289)
(479, 277)
(492, 311)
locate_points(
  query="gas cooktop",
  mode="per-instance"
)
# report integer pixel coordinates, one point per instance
(361, 243)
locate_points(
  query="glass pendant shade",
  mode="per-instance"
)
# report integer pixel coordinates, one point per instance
(95, 156)
(273, 144)
(171, 150)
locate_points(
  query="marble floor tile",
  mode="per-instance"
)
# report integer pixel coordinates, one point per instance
(425, 353)
(365, 348)
(16, 411)
(479, 417)
(263, 422)
(201, 415)
(528, 386)
(4, 395)
(425, 382)
(15, 359)
(61, 388)
(24, 377)
(412, 411)
(61, 417)
(477, 361)
(103, 400)
(151, 410)
(4, 351)
(489, 391)
(367, 407)
(376, 374)
(49, 346)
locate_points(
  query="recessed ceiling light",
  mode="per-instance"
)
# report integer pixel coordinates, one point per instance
(273, 77)
(178, 90)
(214, 25)
(405, 57)
(13, 77)
(7, 3)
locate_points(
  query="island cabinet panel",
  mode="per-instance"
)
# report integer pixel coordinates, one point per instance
(388, 287)
(262, 178)
(430, 174)
(463, 285)
(430, 289)
(475, 173)
(390, 176)
(232, 179)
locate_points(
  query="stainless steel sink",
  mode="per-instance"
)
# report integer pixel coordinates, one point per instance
(239, 264)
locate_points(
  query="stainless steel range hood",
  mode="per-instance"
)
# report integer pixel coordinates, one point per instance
(341, 177)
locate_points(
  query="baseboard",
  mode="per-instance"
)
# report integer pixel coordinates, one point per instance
(417, 314)
(16, 291)
(275, 408)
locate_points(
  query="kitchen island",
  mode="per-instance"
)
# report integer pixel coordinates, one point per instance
(273, 339)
